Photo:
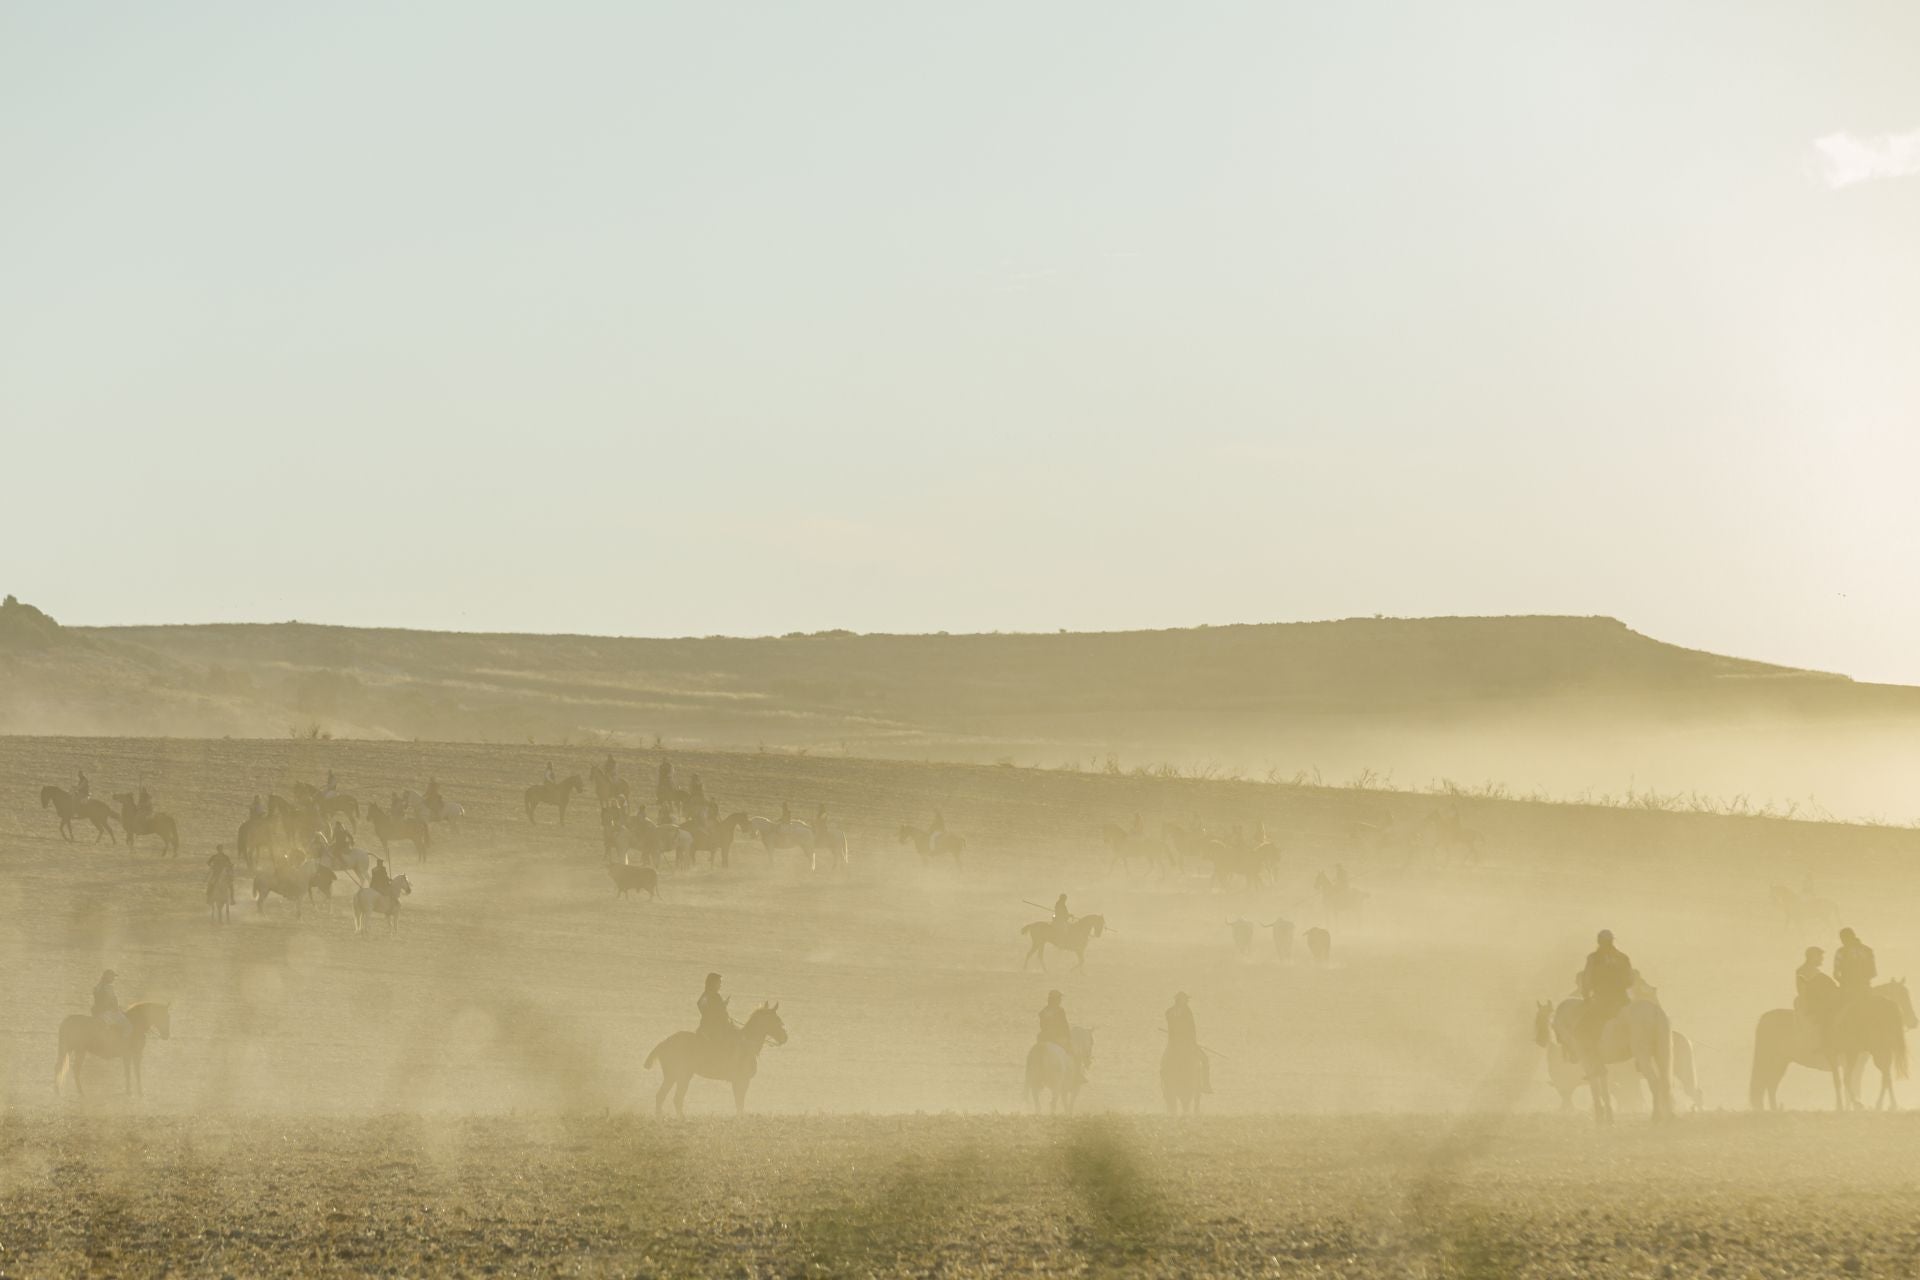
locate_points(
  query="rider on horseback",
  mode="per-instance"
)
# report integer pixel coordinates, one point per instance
(259, 810)
(106, 1006)
(1816, 996)
(1055, 1030)
(1061, 916)
(432, 799)
(379, 881)
(143, 804)
(341, 843)
(1605, 982)
(550, 779)
(333, 786)
(1183, 1037)
(715, 1021)
(1853, 966)
(1053, 1023)
(84, 788)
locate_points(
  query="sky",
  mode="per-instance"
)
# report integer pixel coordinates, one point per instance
(695, 319)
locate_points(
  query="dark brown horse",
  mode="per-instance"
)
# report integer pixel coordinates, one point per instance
(388, 828)
(82, 1034)
(68, 807)
(557, 794)
(153, 824)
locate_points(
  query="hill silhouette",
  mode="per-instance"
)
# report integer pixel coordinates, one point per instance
(1338, 695)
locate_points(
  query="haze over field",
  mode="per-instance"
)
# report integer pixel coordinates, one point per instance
(850, 639)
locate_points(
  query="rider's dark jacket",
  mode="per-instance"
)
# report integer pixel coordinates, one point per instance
(1053, 1027)
(1608, 977)
(1853, 967)
(1181, 1033)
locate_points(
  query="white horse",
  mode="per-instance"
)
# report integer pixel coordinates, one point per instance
(450, 811)
(1052, 1070)
(368, 901)
(798, 836)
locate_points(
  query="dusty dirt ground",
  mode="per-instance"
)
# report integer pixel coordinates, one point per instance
(474, 1081)
(957, 1196)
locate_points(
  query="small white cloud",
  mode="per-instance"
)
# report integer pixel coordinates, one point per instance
(1846, 160)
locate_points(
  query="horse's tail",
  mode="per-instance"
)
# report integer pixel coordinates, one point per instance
(1684, 1069)
(654, 1055)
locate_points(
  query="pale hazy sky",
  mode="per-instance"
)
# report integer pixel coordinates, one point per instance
(755, 318)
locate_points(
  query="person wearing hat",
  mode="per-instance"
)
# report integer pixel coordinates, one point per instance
(1606, 983)
(1853, 966)
(714, 1018)
(1815, 994)
(106, 1004)
(1053, 1024)
(1184, 1038)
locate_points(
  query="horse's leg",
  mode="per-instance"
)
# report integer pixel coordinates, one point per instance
(59, 1067)
(680, 1095)
(740, 1097)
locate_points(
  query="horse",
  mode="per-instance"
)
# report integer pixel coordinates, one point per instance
(1804, 913)
(655, 840)
(1183, 1078)
(797, 835)
(607, 789)
(934, 844)
(368, 901)
(1567, 1077)
(714, 837)
(1126, 845)
(1450, 834)
(158, 824)
(1639, 1033)
(1877, 1028)
(271, 831)
(68, 807)
(1338, 899)
(556, 794)
(1058, 1073)
(1072, 936)
(449, 813)
(387, 828)
(82, 1034)
(686, 1054)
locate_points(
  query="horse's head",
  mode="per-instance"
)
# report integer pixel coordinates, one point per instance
(400, 886)
(764, 1024)
(573, 782)
(1543, 1023)
(1082, 1038)
(1098, 924)
(152, 1017)
(1897, 992)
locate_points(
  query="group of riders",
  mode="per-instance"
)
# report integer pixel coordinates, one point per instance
(142, 801)
(1819, 997)
(1608, 981)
